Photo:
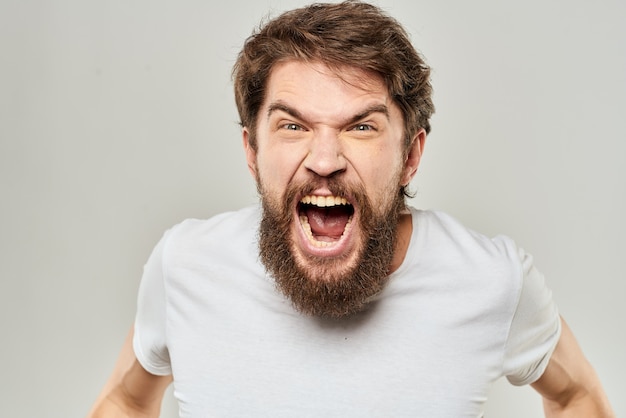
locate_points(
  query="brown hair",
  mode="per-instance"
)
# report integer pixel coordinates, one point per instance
(348, 33)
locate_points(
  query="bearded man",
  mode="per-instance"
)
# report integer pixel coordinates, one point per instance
(333, 297)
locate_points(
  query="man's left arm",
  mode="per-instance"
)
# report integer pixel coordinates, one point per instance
(569, 385)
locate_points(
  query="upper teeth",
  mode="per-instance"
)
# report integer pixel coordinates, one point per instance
(324, 201)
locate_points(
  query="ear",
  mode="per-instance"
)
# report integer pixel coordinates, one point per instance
(250, 152)
(414, 156)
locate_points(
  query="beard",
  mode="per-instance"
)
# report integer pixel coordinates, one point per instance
(330, 286)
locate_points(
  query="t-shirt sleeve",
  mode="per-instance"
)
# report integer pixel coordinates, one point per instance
(149, 341)
(535, 328)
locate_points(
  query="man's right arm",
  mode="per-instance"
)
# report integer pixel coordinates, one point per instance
(131, 391)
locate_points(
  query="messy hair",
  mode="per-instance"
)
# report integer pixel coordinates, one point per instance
(350, 33)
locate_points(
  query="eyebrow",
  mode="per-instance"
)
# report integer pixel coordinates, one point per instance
(377, 108)
(281, 106)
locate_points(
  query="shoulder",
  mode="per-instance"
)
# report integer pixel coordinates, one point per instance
(459, 257)
(232, 223)
(219, 233)
(440, 231)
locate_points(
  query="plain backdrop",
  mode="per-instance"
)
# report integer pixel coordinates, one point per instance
(117, 121)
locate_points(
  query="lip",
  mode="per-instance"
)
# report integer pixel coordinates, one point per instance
(333, 249)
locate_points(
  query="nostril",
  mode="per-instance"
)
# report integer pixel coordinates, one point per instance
(325, 165)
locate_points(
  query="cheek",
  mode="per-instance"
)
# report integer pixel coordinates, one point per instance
(381, 169)
(276, 167)
(386, 180)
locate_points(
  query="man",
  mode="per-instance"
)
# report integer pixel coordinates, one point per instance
(333, 298)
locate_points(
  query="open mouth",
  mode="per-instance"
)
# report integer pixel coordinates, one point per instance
(325, 219)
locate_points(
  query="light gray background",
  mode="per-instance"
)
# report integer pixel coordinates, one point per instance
(117, 121)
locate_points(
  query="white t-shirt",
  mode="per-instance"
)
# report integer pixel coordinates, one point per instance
(461, 311)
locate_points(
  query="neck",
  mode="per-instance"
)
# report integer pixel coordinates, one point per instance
(405, 229)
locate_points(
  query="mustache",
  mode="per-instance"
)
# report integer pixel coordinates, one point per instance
(354, 193)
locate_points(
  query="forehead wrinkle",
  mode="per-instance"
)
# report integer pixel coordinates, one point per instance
(365, 92)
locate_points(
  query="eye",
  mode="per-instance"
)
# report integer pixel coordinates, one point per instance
(363, 127)
(292, 127)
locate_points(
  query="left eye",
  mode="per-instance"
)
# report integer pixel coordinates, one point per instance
(363, 127)
(291, 127)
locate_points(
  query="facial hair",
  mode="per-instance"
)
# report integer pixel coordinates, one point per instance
(331, 288)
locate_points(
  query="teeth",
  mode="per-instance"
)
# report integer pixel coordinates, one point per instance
(324, 201)
(320, 244)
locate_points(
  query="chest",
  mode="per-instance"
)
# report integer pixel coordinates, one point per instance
(245, 352)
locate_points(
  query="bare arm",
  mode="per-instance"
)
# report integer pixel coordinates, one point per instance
(130, 391)
(570, 386)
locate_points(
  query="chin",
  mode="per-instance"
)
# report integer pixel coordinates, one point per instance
(328, 257)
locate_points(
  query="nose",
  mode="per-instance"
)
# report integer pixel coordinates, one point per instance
(325, 157)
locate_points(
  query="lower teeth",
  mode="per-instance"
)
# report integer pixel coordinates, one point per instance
(304, 221)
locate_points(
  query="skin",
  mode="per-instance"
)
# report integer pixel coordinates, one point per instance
(315, 125)
(570, 386)
(324, 138)
(130, 391)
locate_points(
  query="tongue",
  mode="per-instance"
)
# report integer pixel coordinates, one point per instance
(327, 222)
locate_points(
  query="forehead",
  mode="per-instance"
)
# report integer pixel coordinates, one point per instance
(319, 88)
(351, 75)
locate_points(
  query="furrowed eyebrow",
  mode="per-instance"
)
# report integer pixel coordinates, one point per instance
(278, 106)
(377, 108)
